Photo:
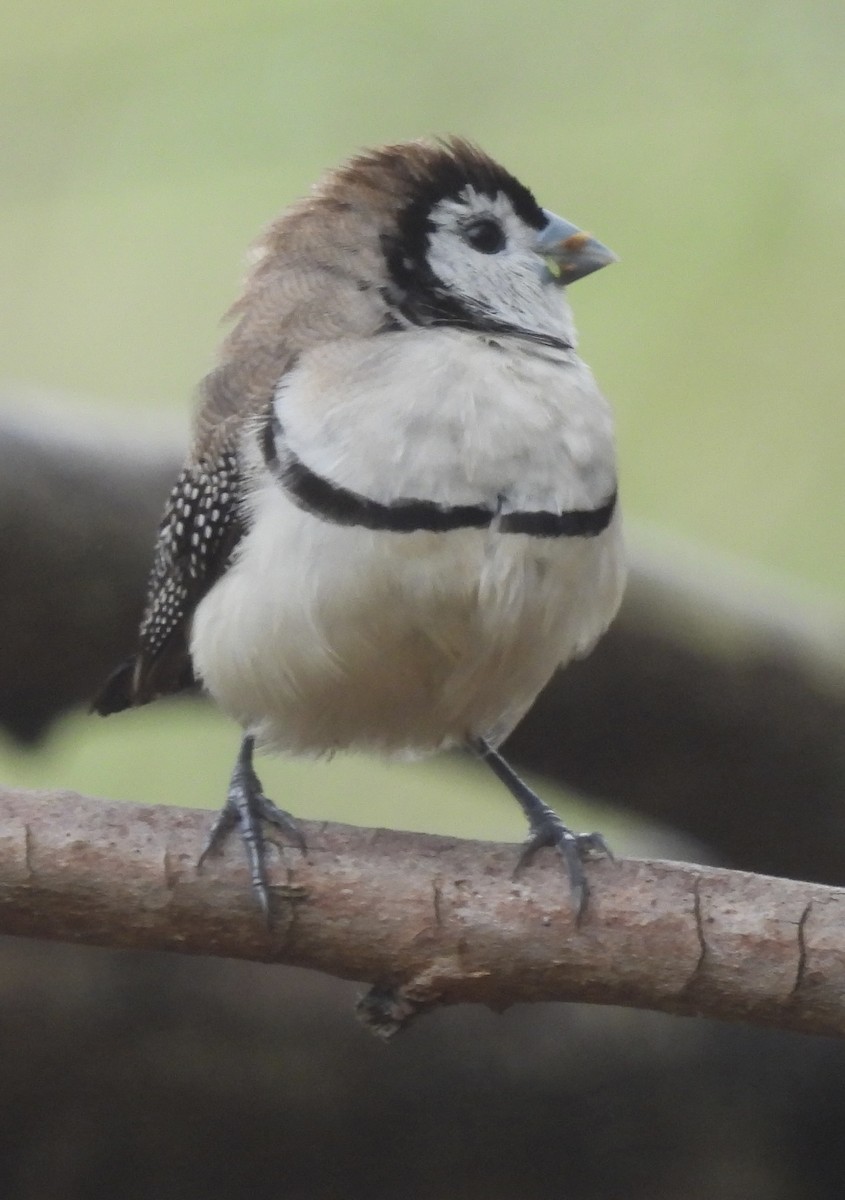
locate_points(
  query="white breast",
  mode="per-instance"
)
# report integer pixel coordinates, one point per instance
(322, 637)
(443, 415)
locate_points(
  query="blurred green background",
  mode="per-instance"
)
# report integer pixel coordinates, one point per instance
(145, 145)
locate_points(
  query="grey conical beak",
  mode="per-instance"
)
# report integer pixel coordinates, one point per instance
(570, 253)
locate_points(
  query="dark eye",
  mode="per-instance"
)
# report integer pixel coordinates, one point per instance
(485, 235)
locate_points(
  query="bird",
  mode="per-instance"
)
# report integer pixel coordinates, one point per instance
(399, 513)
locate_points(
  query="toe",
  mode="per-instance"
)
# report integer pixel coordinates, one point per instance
(225, 822)
(281, 820)
(574, 849)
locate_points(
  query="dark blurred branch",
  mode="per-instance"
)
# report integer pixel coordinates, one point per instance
(428, 920)
(80, 499)
(711, 705)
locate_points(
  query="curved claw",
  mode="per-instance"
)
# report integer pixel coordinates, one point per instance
(594, 845)
(573, 849)
(282, 820)
(225, 822)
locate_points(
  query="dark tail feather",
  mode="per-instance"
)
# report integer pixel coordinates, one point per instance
(139, 680)
(118, 692)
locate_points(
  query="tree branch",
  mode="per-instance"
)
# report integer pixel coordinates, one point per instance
(429, 920)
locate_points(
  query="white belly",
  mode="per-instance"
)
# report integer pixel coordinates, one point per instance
(321, 638)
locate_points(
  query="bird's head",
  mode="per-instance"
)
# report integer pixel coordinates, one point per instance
(425, 233)
(466, 244)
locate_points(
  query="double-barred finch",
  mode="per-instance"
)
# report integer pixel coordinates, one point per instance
(399, 515)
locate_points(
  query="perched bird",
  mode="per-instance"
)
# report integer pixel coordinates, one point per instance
(399, 514)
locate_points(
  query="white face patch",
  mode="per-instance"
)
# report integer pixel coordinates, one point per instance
(510, 285)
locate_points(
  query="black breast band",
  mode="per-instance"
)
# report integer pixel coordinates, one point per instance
(341, 506)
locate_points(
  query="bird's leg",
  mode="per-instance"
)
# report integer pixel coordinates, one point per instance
(546, 827)
(247, 806)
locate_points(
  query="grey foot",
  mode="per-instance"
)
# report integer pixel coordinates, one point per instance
(546, 828)
(247, 806)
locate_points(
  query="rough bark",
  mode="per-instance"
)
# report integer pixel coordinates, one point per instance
(428, 920)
